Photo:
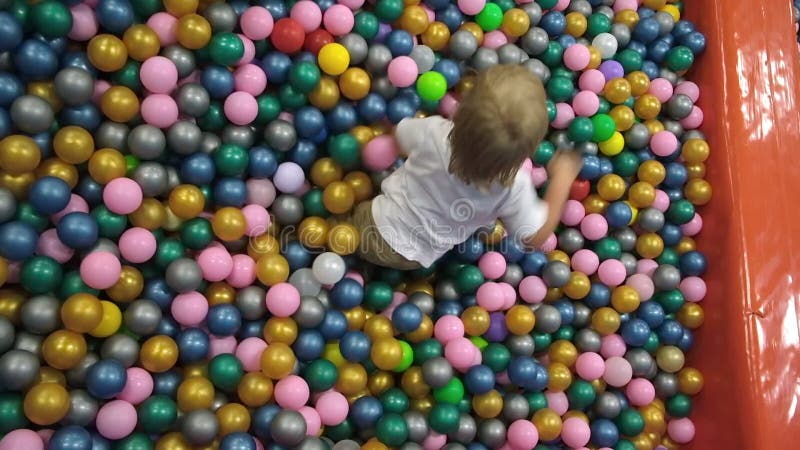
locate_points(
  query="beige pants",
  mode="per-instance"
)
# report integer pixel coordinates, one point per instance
(373, 248)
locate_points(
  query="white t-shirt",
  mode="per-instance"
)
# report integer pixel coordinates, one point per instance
(424, 211)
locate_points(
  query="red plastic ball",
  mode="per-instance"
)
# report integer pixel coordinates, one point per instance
(316, 40)
(579, 190)
(287, 36)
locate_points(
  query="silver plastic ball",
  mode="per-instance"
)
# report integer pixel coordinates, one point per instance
(538, 68)
(693, 134)
(151, 177)
(41, 314)
(243, 136)
(673, 126)
(378, 58)
(280, 135)
(121, 347)
(209, 142)
(484, 58)
(641, 361)
(587, 148)
(31, 114)
(467, 429)
(29, 342)
(607, 405)
(492, 433)
(668, 75)
(556, 274)
(417, 424)
(184, 137)
(146, 142)
(183, 59)
(515, 407)
(112, 135)
(18, 369)
(221, 16)
(462, 45)
(629, 262)
(570, 240)
(424, 57)
(437, 372)
(199, 427)
(637, 137)
(521, 345)
(588, 340)
(666, 384)
(250, 302)
(312, 443)
(6, 334)
(679, 106)
(650, 219)
(183, 275)
(626, 238)
(513, 274)
(288, 428)
(534, 12)
(82, 409)
(8, 205)
(383, 87)
(423, 301)
(76, 377)
(74, 86)
(622, 33)
(310, 313)
(347, 445)
(288, 209)
(535, 41)
(548, 319)
(356, 46)
(580, 6)
(510, 54)
(582, 314)
(446, 290)
(666, 277)
(142, 317)
(665, 22)
(193, 100)
(305, 281)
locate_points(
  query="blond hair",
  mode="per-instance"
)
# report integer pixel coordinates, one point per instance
(499, 122)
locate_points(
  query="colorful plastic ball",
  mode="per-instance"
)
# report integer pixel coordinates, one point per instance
(287, 35)
(48, 195)
(100, 270)
(106, 378)
(46, 403)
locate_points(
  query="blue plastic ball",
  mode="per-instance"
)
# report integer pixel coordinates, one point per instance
(651, 313)
(304, 153)
(604, 433)
(599, 296)
(528, 374)
(355, 346)
(308, 121)
(218, 81)
(479, 379)
(309, 345)
(334, 325)
(566, 41)
(657, 50)
(692, 264)
(44, 141)
(251, 328)
(5, 123)
(533, 263)
(567, 311)
(671, 234)
(407, 317)
(90, 190)
(237, 441)
(262, 419)
(193, 345)
(399, 42)
(646, 30)
(297, 256)
(166, 383)
(35, 60)
(49, 195)
(450, 70)
(230, 192)
(277, 8)
(85, 116)
(471, 249)
(650, 69)
(70, 437)
(17, 240)
(372, 108)
(635, 332)
(346, 294)
(436, 4)
(682, 27)
(686, 341)
(10, 32)
(77, 230)
(115, 15)
(638, 47)
(674, 194)
(591, 167)
(79, 60)
(276, 65)
(400, 108)
(366, 411)
(511, 250)
(224, 320)
(10, 88)
(451, 16)
(670, 332)
(618, 214)
(676, 176)
(447, 308)
(106, 378)
(198, 169)
(262, 163)
(341, 118)
(554, 23)
(168, 327)
(156, 289)
(325, 4)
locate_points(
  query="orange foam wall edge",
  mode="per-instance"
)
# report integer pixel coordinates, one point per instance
(749, 347)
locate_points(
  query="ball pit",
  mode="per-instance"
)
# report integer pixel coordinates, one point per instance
(151, 139)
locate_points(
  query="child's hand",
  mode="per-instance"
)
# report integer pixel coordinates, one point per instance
(565, 163)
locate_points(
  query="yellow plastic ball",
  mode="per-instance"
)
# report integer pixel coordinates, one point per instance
(107, 52)
(516, 22)
(232, 418)
(55, 167)
(120, 104)
(563, 351)
(617, 91)
(352, 379)
(649, 245)
(578, 286)
(106, 164)
(324, 171)
(195, 393)
(151, 214)
(639, 82)
(576, 24)
(361, 184)
(19, 185)
(414, 19)
(520, 320)
(559, 377)
(374, 444)
(63, 349)
(488, 405)
(141, 41)
(623, 116)
(698, 191)
(641, 194)
(280, 329)
(625, 299)
(180, 8)
(277, 360)
(605, 321)
(548, 423)
(326, 94)
(436, 36)
(255, 389)
(228, 223)
(158, 354)
(386, 353)
(272, 269)
(343, 239)
(46, 403)
(333, 354)
(338, 197)
(19, 154)
(354, 83)
(73, 144)
(690, 381)
(670, 359)
(193, 31)
(647, 107)
(333, 58)
(81, 312)
(614, 145)
(652, 172)
(186, 201)
(476, 320)
(691, 315)
(611, 187)
(313, 232)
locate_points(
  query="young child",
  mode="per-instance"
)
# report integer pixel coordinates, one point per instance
(462, 175)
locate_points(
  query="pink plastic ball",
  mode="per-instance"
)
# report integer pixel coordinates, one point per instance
(661, 88)
(490, 296)
(663, 143)
(585, 261)
(402, 71)
(575, 432)
(585, 103)
(313, 420)
(352, 4)
(494, 39)
(594, 227)
(460, 352)
(260, 191)
(138, 386)
(522, 435)
(693, 289)
(379, 153)
(215, 263)
(283, 299)
(100, 87)
(640, 392)
(84, 23)
(159, 110)
(22, 438)
(221, 345)
(289, 177)
(618, 371)
(338, 20)
(564, 116)
(241, 108)
(661, 201)
(590, 366)
(45, 435)
(471, 7)
(694, 119)
(557, 401)
(612, 345)
(561, 5)
(50, 245)
(538, 176)
(159, 75)
(116, 419)
(307, 14)
(256, 219)
(612, 272)
(189, 309)
(646, 267)
(100, 270)
(689, 89)
(592, 80)
(532, 289)
(642, 284)
(122, 195)
(550, 243)
(492, 265)
(577, 57)
(332, 408)
(163, 24)
(137, 245)
(622, 5)
(448, 105)
(249, 353)
(448, 328)
(693, 227)
(434, 441)
(250, 78)
(256, 23)
(509, 295)
(291, 392)
(76, 204)
(681, 430)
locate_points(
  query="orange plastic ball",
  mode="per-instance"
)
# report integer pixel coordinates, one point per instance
(73, 144)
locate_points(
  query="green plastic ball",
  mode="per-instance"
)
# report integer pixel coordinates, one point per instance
(469, 279)
(391, 429)
(394, 400)
(551, 110)
(391, 276)
(51, 19)
(680, 212)
(26, 214)
(407, 358)
(496, 356)
(547, 4)
(604, 107)
(167, 251)
(128, 76)
(580, 130)
(541, 341)
(443, 418)
(196, 234)
(40, 274)
(652, 344)
(389, 10)
(505, 5)
(630, 422)
(312, 203)
(291, 99)
(552, 57)
(345, 150)
(134, 441)
(320, 374)
(625, 164)
(490, 18)
(157, 414)
(225, 371)
(214, 119)
(671, 300)
(431, 86)
(624, 444)
(565, 333)
(679, 58)
(536, 401)
(580, 394)
(603, 127)
(146, 8)
(304, 76)
(378, 295)
(630, 60)
(597, 23)
(544, 151)
(226, 48)
(560, 89)
(340, 432)
(366, 25)
(668, 256)
(452, 392)
(427, 349)
(608, 248)
(131, 163)
(269, 107)
(679, 405)
(230, 160)
(72, 283)
(12, 414)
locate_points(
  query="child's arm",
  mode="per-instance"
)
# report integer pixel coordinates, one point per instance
(408, 133)
(563, 169)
